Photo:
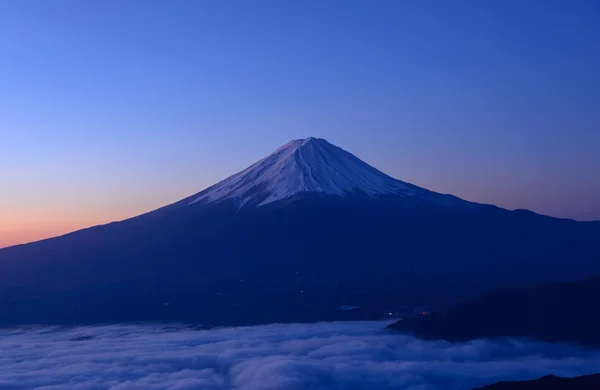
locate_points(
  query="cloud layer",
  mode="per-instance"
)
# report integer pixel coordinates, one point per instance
(356, 355)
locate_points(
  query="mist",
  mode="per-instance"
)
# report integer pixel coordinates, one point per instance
(351, 355)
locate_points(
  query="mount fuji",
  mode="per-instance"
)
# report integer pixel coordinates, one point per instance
(308, 233)
(311, 166)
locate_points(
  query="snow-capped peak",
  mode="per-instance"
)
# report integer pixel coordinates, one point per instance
(303, 166)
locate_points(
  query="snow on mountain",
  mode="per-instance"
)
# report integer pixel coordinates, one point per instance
(300, 166)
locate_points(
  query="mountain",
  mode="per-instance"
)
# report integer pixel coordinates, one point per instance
(301, 235)
(550, 382)
(311, 166)
(557, 312)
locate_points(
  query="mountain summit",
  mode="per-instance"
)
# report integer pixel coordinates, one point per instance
(310, 165)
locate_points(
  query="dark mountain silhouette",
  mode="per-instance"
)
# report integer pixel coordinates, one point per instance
(294, 237)
(550, 382)
(557, 312)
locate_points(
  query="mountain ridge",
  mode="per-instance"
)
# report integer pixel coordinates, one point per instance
(549, 382)
(554, 312)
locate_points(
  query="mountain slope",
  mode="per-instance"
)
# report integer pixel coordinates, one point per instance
(550, 382)
(291, 238)
(558, 312)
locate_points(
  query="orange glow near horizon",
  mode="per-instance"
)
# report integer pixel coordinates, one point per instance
(28, 220)
(22, 233)
(33, 210)
(36, 226)
(10, 237)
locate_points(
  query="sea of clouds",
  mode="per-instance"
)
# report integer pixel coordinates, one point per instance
(351, 355)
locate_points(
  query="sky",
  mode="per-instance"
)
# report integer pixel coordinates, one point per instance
(112, 108)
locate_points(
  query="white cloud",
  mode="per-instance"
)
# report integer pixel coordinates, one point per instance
(358, 355)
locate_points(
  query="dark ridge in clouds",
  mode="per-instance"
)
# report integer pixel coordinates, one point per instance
(354, 355)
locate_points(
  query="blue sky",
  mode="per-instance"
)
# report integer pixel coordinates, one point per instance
(111, 108)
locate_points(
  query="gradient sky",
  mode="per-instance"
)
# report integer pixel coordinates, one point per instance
(111, 108)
